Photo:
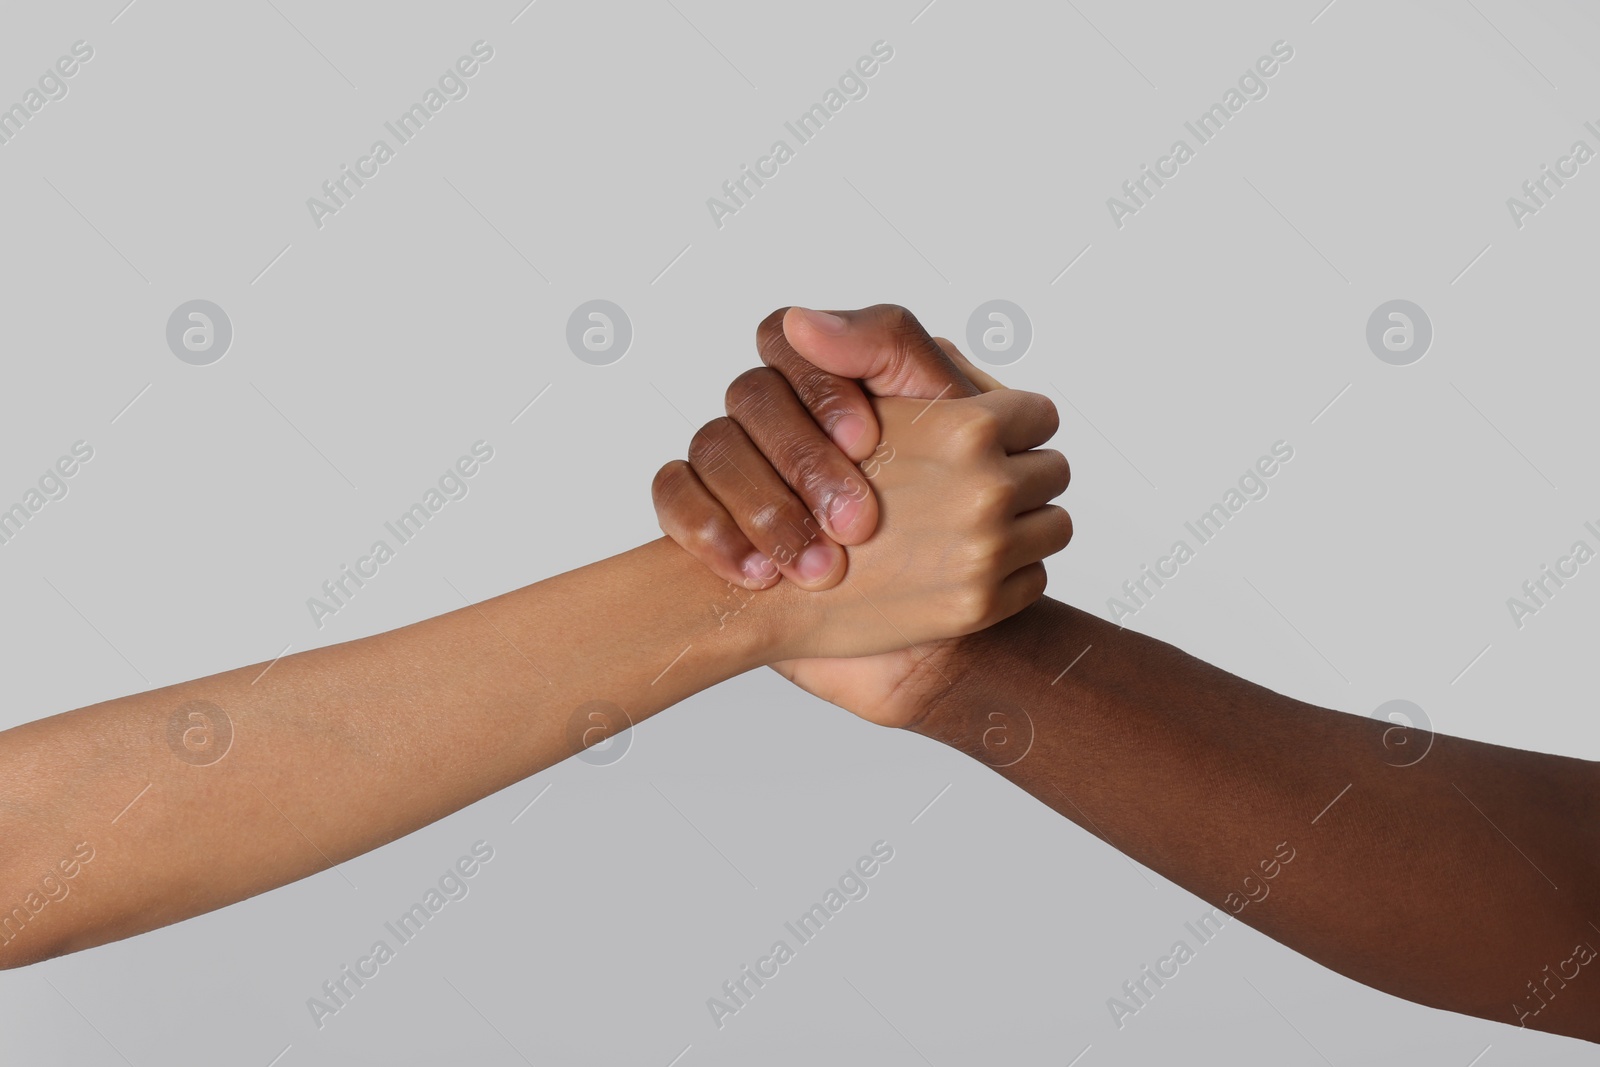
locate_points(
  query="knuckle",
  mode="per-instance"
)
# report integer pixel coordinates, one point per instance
(779, 522)
(976, 428)
(710, 444)
(669, 484)
(1060, 470)
(1060, 527)
(752, 394)
(897, 318)
(993, 500)
(1067, 529)
(981, 558)
(825, 397)
(907, 334)
(765, 523)
(914, 353)
(710, 538)
(1035, 578)
(996, 550)
(806, 462)
(974, 604)
(770, 341)
(1045, 414)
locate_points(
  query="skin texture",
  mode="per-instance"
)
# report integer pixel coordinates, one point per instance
(1454, 881)
(1455, 874)
(338, 750)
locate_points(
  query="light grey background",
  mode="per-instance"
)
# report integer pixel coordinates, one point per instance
(1229, 313)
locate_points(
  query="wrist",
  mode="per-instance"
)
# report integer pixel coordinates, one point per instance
(986, 698)
(949, 703)
(740, 627)
(782, 623)
(685, 629)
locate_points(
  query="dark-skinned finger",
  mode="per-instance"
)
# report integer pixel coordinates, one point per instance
(832, 488)
(702, 527)
(776, 521)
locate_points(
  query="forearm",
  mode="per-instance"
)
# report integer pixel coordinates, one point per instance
(1398, 877)
(338, 750)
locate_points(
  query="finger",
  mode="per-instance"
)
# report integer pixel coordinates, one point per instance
(985, 381)
(1038, 534)
(702, 527)
(1041, 475)
(831, 486)
(1024, 420)
(1019, 590)
(836, 402)
(771, 516)
(884, 346)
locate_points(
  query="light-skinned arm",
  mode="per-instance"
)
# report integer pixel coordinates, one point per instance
(338, 750)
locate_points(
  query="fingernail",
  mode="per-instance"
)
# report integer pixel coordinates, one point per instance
(815, 563)
(848, 430)
(843, 512)
(824, 321)
(759, 568)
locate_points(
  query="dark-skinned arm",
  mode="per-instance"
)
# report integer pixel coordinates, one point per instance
(1452, 873)
(1464, 880)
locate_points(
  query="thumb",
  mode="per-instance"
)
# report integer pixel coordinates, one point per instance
(884, 346)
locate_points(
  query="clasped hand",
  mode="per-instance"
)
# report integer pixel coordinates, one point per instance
(896, 492)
